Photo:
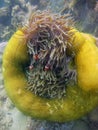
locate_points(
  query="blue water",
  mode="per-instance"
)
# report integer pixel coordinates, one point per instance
(2, 3)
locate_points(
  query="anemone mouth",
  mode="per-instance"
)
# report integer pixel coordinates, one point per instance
(49, 72)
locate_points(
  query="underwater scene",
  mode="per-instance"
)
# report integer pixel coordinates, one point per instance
(48, 64)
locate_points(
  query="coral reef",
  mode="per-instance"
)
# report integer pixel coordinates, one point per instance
(86, 14)
(12, 15)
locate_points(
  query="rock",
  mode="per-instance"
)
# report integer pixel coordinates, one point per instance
(93, 116)
(81, 125)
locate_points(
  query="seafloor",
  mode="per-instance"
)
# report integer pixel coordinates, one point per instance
(12, 15)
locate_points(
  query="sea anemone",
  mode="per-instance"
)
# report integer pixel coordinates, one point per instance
(48, 72)
(46, 68)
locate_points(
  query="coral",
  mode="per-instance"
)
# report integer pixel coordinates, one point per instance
(88, 20)
(12, 15)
